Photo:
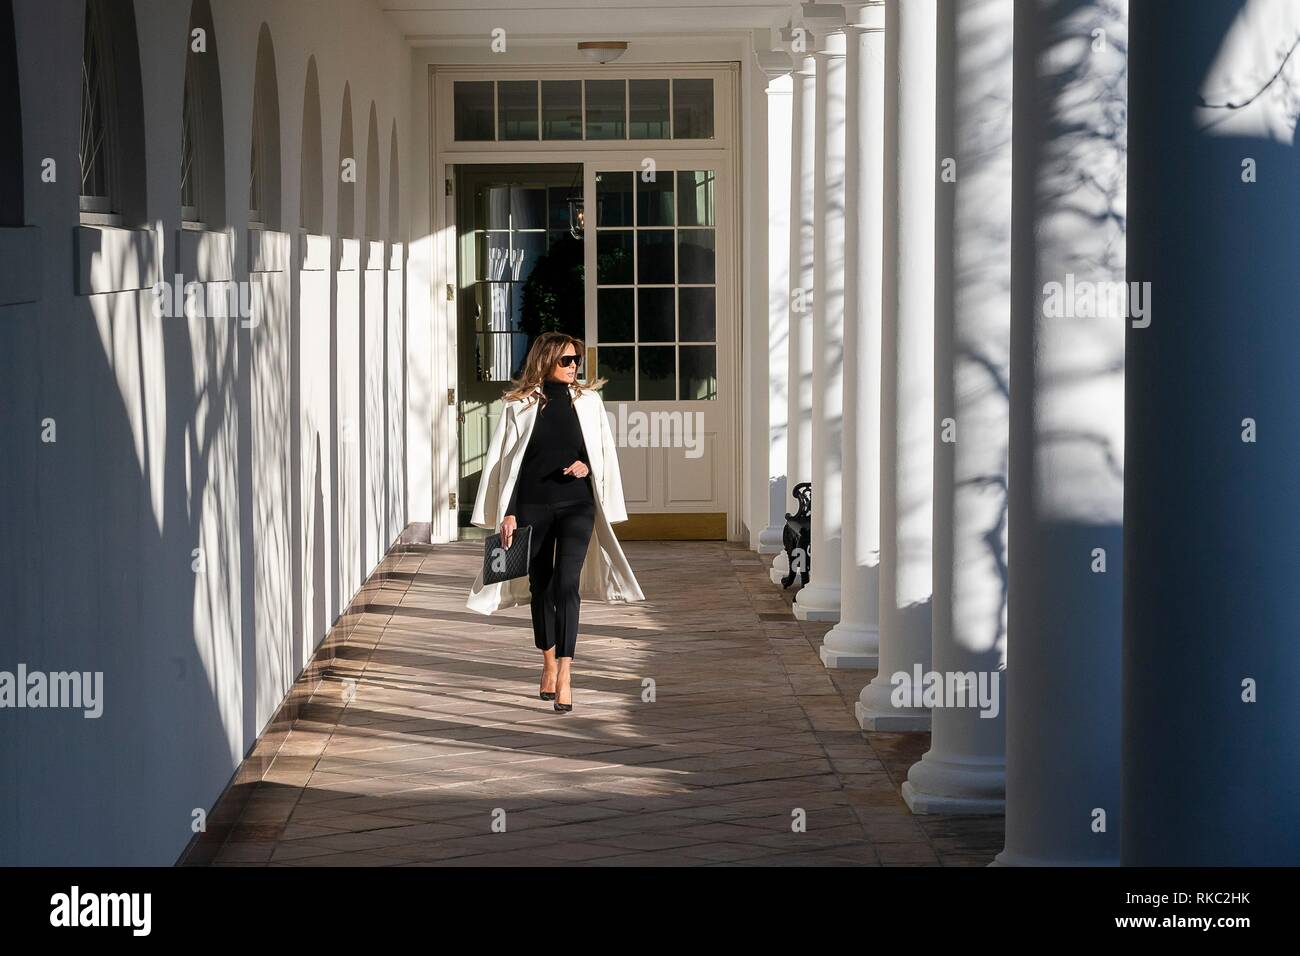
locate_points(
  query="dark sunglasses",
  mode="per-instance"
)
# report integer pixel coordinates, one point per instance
(567, 360)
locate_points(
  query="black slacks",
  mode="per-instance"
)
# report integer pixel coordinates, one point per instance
(561, 534)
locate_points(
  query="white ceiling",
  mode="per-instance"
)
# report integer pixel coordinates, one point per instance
(450, 20)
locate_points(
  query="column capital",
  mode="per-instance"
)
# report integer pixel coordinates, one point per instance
(826, 22)
(770, 52)
(822, 16)
(782, 85)
(774, 62)
(833, 44)
(867, 15)
(798, 50)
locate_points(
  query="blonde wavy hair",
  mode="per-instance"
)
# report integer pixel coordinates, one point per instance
(544, 355)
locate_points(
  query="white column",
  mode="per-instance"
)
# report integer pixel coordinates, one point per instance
(907, 347)
(778, 93)
(855, 640)
(964, 771)
(1067, 435)
(803, 116)
(819, 599)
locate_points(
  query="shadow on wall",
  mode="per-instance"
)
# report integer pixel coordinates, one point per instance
(125, 561)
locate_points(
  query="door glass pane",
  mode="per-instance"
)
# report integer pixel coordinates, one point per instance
(606, 109)
(695, 255)
(654, 256)
(699, 372)
(693, 109)
(517, 109)
(698, 310)
(529, 248)
(497, 261)
(695, 198)
(527, 276)
(655, 315)
(616, 364)
(614, 316)
(498, 207)
(658, 373)
(654, 200)
(472, 105)
(528, 207)
(557, 201)
(674, 299)
(614, 199)
(614, 257)
(648, 107)
(561, 109)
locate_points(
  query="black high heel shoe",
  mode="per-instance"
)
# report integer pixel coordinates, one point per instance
(561, 708)
(546, 694)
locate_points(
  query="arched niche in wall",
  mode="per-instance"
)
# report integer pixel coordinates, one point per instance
(264, 206)
(203, 247)
(394, 190)
(20, 264)
(111, 157)
(373, 224)
(111, 147)
(11, 123)
(346, 172)
(311, 191)
(203, 169)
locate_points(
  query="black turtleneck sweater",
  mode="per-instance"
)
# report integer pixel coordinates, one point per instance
(555, 443)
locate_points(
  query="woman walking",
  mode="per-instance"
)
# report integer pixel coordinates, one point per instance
(552, 465)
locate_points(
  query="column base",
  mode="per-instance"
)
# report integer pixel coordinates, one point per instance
(940, 786)
(848, 646)
(780, 567)
(875, 710)
(815, 603)
(771, 540)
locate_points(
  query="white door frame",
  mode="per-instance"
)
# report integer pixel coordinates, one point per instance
(718, 153)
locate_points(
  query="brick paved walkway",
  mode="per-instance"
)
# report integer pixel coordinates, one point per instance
(704, 725)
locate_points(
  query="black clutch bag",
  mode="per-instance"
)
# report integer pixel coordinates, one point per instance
(502, 564)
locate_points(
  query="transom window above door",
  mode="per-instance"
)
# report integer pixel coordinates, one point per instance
(523, 110)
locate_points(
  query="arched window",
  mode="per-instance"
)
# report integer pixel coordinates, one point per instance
(97, 148)
(191, 141)
(11, 123)
(347, 194)
(264, 159)
(394, 205)
(112, 117)
(310, 183)
(202, 171)
(373, 227)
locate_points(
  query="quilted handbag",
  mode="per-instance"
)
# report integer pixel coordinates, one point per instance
(515, 562)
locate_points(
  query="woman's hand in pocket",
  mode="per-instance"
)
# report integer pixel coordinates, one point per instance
(508, 525)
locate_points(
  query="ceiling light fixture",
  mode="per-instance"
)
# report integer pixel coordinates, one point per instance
(602, 51)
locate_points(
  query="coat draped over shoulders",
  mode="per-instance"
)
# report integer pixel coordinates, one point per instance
(606, 575)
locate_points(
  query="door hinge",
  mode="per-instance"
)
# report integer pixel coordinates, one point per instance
(447, 187)
(451, 396)
(451, 500)
(451, 292)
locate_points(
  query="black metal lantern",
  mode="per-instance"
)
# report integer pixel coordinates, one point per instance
(577, 215)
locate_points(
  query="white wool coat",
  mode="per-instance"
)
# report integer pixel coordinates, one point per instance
(606, 576)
